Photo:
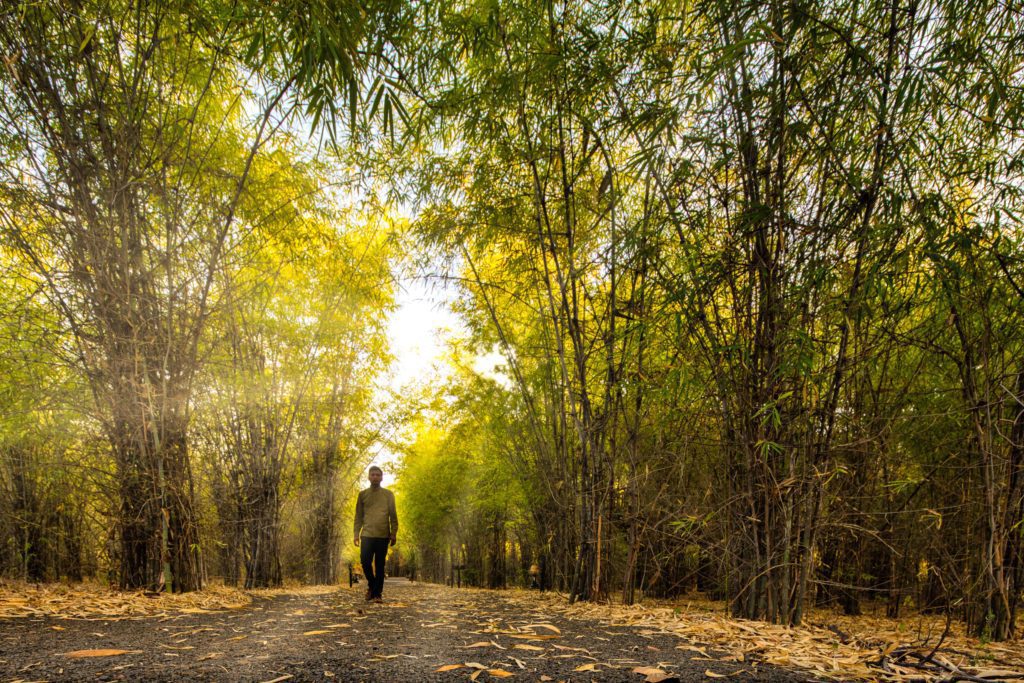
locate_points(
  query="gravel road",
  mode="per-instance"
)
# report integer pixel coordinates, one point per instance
(335, 636)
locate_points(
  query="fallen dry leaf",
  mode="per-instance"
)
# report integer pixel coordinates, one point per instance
(533, 636)
(280, 678)
(574, 649)
(532, 648)
(550, 627)
(448, 667)
(319, 632)
(586, 667)
(661, 678)
(500, 673)
(484, 643)
(101, 653)
(654, 675)
(711, 674)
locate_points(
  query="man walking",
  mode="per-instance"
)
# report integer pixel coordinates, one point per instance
(376, 527)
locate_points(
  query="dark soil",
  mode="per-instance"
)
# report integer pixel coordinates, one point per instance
(419, 628)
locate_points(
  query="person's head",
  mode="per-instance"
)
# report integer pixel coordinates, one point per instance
(375, 474)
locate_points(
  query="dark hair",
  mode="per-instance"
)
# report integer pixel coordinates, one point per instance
(374, 467)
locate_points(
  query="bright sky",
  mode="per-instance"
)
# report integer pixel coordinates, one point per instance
(419, 332)
(420, 329)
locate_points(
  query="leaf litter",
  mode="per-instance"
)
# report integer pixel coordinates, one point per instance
(89, 600)
(831, 646)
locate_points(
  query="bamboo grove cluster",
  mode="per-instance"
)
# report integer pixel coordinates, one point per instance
(192, 319)
(755, 270)
(756, 273)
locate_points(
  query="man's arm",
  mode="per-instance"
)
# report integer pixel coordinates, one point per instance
(393, 519)
(358, 523)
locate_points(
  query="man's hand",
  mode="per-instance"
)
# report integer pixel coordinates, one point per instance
(355, 539)
(394, 539)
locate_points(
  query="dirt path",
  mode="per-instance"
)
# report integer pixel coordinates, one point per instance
(335, 636)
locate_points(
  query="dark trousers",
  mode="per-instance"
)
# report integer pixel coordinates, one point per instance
(372, 553)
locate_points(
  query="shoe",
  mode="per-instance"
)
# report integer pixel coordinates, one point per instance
(369, 595)
(379, 600)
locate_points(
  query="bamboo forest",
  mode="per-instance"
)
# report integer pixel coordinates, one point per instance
(727, 295)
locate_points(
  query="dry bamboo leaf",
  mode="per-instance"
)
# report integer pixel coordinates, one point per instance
(996, 673)
(475, 665)
(100, 653)
(550, 627)
(534, 636)
(574, 649)
(654, 675)
(590, 666)
(711, 674)
(280, 678)
(318, 632)
(532, 648)
(658, 676)
(338, 626)
(476, 674)
(449, 667)
(482, 643)
(500, 673)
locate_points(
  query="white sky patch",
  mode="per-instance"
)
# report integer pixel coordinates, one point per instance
(419, 331)
(493, 365)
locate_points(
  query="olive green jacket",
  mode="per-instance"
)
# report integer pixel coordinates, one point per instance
(376, 516)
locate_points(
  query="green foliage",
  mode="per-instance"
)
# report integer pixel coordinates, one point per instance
(755, 270)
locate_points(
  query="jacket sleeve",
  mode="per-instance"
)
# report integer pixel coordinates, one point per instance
(393, 516)
(357, 525)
